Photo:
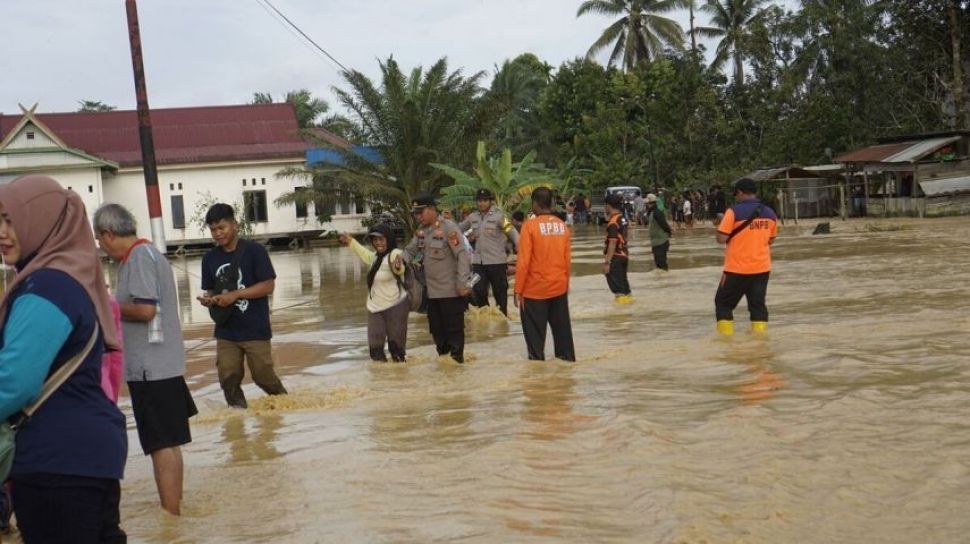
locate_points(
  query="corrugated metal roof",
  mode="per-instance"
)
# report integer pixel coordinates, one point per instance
(789, 172)
(182, 135)
(897, 152)
(946, 186)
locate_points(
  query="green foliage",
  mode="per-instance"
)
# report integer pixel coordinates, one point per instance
(510, 183)
(731, 21)
(640, 34)
(802, 86)
(202, 205)
(92, 106)
(512, 100)
(308, 109)
(410, 119)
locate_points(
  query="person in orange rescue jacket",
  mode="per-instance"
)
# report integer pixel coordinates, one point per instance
(542, 280)
(747, 230)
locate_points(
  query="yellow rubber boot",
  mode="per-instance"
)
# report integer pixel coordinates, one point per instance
(725, 327)
(759, 326)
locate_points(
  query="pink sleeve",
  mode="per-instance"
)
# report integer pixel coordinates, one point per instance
(113, 362)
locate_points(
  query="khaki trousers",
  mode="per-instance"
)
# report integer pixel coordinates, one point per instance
(229, 363)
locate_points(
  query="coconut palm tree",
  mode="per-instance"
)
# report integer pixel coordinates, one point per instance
(640, 33)
(308, 109)
(730, 22)
(691, 7)
(514, 94)
(406, 121)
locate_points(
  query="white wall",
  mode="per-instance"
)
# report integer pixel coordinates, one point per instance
(86, 183)
(223, 182)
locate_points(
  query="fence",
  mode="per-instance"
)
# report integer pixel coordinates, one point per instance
(816, 201)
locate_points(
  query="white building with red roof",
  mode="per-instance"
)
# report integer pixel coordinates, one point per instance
(228, 154)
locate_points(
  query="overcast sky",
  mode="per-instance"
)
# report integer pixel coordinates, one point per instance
(211, 52)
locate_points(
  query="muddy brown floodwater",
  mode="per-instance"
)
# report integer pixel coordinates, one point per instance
(847, 423)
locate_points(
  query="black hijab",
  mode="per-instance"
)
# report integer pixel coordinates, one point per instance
(388, 235)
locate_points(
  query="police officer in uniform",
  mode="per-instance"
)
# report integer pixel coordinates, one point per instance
(443, 251)
(489, 229)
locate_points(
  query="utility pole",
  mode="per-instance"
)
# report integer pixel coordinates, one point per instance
(145, 129)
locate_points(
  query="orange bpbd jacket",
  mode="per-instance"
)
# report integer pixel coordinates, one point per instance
(545, 257)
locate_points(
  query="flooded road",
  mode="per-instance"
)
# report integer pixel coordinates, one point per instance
(848, 422)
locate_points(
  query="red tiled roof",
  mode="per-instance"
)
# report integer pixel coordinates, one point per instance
(181, 135)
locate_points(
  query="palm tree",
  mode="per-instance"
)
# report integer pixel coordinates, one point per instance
(514, 94)
(836, 31)
(691, 7)
(730, 22)
(409, 120)
(639, 34)
(308, 109)
(510, 183)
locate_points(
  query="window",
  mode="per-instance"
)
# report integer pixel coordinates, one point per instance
(301, 211)
(344, 200)
(244, 182)
(361, 205)
(264, 181)
(171, 186)
(90, 188)
(30, 135)
(180, 186)
(255, 203)
(178, 212)
(328, 208)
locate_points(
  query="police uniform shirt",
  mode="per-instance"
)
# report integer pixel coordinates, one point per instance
(444, 254)
(491, 231)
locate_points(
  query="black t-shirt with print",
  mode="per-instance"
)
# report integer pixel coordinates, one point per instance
(250, 321)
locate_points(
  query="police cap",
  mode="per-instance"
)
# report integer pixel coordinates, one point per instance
(422, 201)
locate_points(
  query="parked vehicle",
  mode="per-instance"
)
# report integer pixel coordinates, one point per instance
(597, 211)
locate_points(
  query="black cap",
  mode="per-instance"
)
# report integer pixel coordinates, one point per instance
(483, 194)
(614, 200)
(421, 201)
(745, 185)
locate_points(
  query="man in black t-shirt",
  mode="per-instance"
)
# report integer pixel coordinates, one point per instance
(238, 278)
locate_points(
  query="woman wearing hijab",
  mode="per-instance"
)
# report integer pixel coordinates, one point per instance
(70, 455)
(387, 299)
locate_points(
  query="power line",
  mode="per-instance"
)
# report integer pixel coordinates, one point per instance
(304, 34)
(292, 32)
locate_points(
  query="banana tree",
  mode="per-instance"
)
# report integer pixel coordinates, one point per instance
(510, 183)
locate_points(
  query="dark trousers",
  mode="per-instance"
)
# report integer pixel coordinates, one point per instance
(494, 275)
(616, 278)
(55, 509)
(446, 318)
(389, 326)
(554, 312)
(754, 287)
(660, 255)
